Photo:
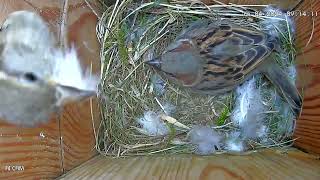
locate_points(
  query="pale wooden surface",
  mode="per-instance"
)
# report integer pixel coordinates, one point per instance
(308, 125)
(263, 165)
(45, 152)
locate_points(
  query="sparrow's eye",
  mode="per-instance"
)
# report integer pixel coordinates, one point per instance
(3, 27)
(30, 77)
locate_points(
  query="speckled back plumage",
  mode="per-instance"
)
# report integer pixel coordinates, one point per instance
(215, 57)
(231, 53)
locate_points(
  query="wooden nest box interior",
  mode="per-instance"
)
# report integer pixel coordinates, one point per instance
(65, 147)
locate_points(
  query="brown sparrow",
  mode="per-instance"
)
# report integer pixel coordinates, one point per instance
(213, 58)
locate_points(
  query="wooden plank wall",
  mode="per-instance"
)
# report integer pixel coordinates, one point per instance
(76, 123)
(308, 35)
(51, 149)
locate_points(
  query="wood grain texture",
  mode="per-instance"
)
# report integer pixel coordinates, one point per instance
(262, 165)
(308, 34)
(44, 152)
(76, 121)
(30, 152)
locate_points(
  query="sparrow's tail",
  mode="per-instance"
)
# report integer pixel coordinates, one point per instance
(288, 89)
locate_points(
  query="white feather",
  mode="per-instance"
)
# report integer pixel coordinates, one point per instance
(67, 71)
(235, 145)
(152, 124)
(205, 139)
(248, 112)
(234, 142)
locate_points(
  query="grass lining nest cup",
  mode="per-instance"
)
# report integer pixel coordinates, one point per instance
(144, 114)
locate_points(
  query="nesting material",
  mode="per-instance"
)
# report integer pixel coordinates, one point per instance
(234, 143)
(169, 109)
(152, 124)
(205, 139)
(275, 26)
(249, 106)
(157, 85)
(248, 112)
(144, 114)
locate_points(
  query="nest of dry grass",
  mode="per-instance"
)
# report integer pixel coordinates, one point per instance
(131, 33)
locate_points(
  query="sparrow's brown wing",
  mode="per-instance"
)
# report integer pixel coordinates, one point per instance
(232, 51)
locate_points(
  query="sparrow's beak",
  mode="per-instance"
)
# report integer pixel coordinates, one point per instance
(71, 94)
(156, 63)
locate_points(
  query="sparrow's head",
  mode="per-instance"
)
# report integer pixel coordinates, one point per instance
(179, 62)
(36, 78)
(30, 96)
